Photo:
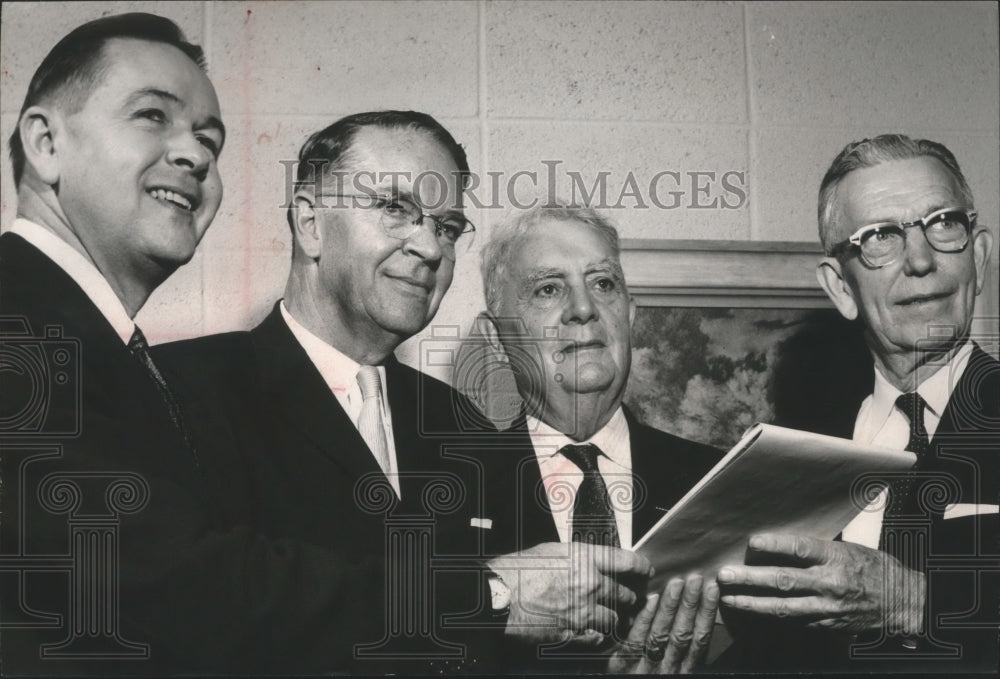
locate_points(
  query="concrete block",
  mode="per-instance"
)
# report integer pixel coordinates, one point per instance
(316, 57)
(241, 286)
(863, 64)
(616, 61)
(687, 183)
(30, 29)
(8, 194)
(787, 169)
(175, 310)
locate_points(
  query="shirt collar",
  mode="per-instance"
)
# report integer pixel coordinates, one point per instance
(612, 439)
(339, 371)
(935, 390)
(82, 271)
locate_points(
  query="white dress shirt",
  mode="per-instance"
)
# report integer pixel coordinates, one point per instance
(341, 375)
(82, 271)
(562, 478)
(881, 423)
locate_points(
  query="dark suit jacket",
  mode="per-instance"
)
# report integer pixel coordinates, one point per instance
(664, 468)
(256, 396)
(961, 567)
(77, 405)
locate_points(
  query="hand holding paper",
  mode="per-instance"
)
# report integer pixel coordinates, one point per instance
(834, 585)
(567, 591)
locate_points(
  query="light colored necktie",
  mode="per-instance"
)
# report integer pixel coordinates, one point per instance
(370, 422)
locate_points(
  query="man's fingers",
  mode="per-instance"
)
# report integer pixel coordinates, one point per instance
(770, 577)
(800, 547)
(784, 607)
(602, 619)
(670, 601)
(611, 560)
(609, 593)
(643, 621)
(682, 631)
(704, 624)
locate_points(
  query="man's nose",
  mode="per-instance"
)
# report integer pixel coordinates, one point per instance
(187, 152)
(423, 242)
(919, 258)
(580, 307)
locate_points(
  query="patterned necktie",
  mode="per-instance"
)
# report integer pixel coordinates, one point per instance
(593, 514)
(370, 422)
(139, 348)
(903, 500)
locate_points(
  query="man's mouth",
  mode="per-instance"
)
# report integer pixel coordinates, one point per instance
(174, 198)
(583, 346)
(419, 283)
(923, 299)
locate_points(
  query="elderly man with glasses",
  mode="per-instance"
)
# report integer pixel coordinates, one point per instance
(913, 583)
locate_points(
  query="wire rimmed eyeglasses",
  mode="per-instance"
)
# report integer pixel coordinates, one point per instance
(400, 217)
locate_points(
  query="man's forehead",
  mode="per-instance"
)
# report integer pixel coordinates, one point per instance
(403, 159)
(132, 64)
(901, 190)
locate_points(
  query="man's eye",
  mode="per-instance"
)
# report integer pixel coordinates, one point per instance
(547, 290)
(450, 230)
(391, 207)
(210, 144)
(605, 284)
(154, 114)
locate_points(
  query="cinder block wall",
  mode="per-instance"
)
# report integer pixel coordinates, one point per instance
(732, 110)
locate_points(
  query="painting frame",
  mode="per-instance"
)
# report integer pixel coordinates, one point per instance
(723, 273)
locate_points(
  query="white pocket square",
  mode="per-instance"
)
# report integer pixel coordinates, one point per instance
(957, 510)
(485, 524)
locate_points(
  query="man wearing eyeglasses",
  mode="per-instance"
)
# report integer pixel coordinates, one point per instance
(361, 458)
(914, 578)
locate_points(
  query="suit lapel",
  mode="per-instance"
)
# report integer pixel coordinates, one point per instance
(36, 287)
(296, 390)
(647, 470)
(534, 520)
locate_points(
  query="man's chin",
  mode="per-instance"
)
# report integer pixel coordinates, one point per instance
(588, 383)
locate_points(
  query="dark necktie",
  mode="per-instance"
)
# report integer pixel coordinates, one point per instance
(903, 499)
(139, 348)
(593, 515)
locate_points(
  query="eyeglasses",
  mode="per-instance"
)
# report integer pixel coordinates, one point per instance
(400, 218)
(883, 243)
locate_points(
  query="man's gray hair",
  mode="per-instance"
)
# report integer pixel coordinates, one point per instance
(872, 152)
(508, 232)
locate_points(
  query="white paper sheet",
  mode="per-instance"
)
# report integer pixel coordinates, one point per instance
(774, 480)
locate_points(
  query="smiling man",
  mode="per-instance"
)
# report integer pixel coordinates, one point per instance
(350, 452)
(115, 161)
(914, 579)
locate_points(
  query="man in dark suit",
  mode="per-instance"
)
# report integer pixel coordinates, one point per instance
(361, 457)
(560, 315)
(115, 161)
(913, 583)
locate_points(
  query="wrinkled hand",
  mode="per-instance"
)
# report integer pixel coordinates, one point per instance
(562, 592)
(837, 586)
(671, 633)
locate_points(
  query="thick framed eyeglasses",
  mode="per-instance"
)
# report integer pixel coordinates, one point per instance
(400, 218)
(882, 243)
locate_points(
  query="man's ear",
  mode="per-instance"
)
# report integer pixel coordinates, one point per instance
(486, 326)
(39, 128)
(305, 227)
(982, 246)
(831, 278)
(631, 311)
